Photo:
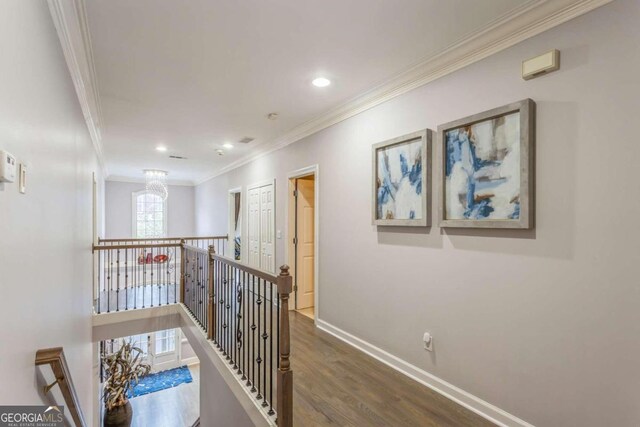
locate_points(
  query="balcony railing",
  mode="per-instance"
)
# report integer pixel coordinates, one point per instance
(142, 273)
(242, 310)
(245, 312)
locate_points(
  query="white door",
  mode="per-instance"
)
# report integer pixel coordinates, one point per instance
(305, 248)
(164, 349)
(254, 227)
(267, 225)
(261, 227)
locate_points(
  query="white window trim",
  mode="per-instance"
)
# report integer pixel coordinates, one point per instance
(134, 212)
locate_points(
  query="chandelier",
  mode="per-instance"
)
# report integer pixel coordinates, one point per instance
(156, 183)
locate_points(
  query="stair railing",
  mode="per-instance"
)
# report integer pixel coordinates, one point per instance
(55, 358)
(247, 318)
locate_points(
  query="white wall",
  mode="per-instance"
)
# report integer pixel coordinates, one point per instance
(544, 323)
(46, 234)
(180, 205)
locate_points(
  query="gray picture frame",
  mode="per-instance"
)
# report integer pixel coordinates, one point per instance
(527, 109)
(425, 137)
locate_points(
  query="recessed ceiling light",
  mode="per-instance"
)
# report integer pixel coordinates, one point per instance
(228, 145)
(321, 82)
(161, 148)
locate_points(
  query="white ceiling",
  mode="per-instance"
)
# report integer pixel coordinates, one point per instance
(194, 74)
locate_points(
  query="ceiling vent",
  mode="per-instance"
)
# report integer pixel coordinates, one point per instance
(246, 140)
(178, 157)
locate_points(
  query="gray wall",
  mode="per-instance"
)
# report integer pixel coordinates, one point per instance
(545, 323)
(46, 234)
(180, 205)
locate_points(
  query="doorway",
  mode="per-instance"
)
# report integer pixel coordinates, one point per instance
(303, 241)
(235, 223)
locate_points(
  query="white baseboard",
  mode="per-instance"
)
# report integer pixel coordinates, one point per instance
(469, 401)
(190, 361)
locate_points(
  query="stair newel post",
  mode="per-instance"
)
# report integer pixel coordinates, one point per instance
(285, 375)
(183, 268)
(211, 307)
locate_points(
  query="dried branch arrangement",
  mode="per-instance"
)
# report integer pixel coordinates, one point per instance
(123, 370)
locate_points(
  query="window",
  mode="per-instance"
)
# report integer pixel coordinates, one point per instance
(165, 341)
(149, 215)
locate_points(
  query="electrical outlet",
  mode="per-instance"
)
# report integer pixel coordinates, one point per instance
(428, 341)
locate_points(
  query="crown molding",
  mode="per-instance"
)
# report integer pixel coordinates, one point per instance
(530, 19)
(71, 23)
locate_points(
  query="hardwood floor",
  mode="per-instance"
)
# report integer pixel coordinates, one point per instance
(336, 384)
(309, 312)
(174, 407)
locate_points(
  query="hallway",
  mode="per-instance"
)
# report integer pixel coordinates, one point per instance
(336, 384)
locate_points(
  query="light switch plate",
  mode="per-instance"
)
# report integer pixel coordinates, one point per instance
(23, 178)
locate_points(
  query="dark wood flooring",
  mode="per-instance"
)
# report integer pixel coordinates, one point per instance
(338, 385)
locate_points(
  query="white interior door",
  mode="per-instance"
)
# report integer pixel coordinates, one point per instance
(305, 248)
(253, 226)
(261, 227)
(267, 228)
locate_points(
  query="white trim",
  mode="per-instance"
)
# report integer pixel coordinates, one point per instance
(190, 361)
(70, 20)
(450, 391)
(134, 214)
(306, 171)
(530, 19)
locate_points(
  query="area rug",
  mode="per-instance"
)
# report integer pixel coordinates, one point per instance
(161, 380)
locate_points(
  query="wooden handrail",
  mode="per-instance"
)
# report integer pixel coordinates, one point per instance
(55, 358)
(162, 238)
(256, 272)
(195, 249)
(140, 246)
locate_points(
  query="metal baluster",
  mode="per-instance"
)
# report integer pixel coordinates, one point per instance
(242, 326)
(110, 282)
(271, 411)
(151, 268)
(126, 278)
(144, 275)
(235, 318)
(100, 274)
(253, 335)
(259, 359)
(265, 336)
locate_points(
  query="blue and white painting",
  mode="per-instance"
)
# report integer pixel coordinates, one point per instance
(483, 170)
(399, 181)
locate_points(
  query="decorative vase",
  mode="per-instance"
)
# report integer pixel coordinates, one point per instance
(119, 416)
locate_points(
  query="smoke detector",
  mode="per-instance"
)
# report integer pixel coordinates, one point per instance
(272, 116)
(220, 152)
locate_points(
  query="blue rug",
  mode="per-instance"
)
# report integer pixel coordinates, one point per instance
(161, 381)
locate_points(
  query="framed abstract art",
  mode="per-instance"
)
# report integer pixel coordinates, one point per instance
(486, 169)
(401, 180)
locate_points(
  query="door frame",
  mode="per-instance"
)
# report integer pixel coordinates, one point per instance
(230, 237)
(245, 258)
(289, 233)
